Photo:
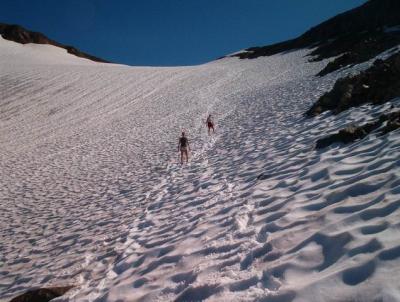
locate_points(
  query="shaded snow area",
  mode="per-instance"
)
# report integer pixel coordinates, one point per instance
(92, 194)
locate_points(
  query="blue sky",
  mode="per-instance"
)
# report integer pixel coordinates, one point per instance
(169, 32)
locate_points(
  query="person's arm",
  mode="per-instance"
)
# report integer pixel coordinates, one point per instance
(188, 145)
(179, 145)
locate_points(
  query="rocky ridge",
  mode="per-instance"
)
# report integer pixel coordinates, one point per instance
(352, 37)
(21, 35)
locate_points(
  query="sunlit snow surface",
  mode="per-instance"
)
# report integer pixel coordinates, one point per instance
(92, 194)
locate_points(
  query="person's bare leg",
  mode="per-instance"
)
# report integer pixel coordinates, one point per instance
(182, 157)
(187, 156)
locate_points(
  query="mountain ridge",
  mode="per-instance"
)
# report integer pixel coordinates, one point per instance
(354, 36)
(19, 34)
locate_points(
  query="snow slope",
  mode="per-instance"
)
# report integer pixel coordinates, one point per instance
(92, 194)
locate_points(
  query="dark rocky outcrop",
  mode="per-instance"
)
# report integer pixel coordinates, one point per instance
(345, 136)
(354, 49)
(263, 176)
(42, 294)
(386, 123)
(392, 122)
(355, 36)
(21, 35)
(378, 84)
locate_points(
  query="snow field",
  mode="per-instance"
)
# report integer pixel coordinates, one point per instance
(92, 195)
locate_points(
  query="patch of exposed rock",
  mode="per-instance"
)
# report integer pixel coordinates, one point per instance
(42, 294)
(377, 85)
(386, 122)
(21, 35)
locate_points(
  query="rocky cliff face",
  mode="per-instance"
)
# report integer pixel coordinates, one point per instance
(21, 35)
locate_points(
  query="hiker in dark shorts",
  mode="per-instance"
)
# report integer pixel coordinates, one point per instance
(210, 124)
(184, 147)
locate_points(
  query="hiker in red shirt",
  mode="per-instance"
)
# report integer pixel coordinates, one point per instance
(210, 124)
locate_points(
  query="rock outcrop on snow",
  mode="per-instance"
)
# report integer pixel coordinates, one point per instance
(21, 35)
(386, 122)
(378, 84)
(345, 136)
(354, 37)
(42, 294)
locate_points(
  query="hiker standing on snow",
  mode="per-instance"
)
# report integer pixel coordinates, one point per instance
(184, 147)
(210, 124)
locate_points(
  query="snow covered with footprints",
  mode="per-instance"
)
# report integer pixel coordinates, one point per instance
(92, 194)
